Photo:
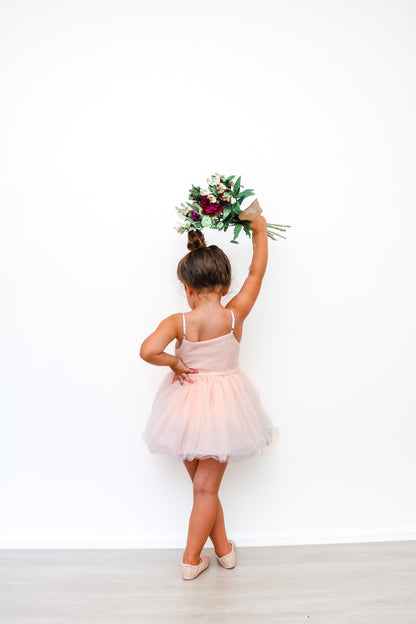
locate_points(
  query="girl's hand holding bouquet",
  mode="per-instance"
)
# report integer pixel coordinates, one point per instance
(258, 224)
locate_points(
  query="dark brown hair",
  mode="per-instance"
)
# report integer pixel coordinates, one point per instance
(204, 267)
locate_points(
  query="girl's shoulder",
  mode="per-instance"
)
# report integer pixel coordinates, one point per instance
(172, 324)
(175, 320)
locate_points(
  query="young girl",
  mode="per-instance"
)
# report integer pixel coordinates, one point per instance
(206, 411)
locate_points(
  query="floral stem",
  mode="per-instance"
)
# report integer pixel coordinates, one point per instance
(273, 234)
(277, 226)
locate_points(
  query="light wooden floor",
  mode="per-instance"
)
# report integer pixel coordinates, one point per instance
(366, 583)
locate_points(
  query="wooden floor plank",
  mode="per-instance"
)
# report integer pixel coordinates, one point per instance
(364, 583)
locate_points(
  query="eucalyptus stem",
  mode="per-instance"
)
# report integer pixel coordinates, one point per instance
(273, 226)
(273, 234)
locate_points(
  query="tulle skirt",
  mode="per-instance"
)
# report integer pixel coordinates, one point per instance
(217, 416)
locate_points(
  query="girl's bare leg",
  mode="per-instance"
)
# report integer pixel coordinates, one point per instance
(218, 534)
(207, 518)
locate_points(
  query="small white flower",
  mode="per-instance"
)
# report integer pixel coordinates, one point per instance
(212, 198)
(213, 180)
(233, 200)
(204, 192)
(221, 187)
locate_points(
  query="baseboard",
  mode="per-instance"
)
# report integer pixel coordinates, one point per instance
(381, 534)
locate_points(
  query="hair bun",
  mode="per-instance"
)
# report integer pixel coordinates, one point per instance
(195, 240)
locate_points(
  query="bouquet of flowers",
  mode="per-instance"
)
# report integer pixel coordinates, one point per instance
(219, 207)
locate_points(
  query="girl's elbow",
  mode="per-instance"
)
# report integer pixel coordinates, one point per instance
(144, 352)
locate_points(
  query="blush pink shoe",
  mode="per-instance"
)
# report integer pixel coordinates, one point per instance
(190, 572)
(228, 560)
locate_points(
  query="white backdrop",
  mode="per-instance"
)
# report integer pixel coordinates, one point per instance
(109, 112)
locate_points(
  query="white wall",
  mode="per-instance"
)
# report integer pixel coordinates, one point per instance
(109, 112)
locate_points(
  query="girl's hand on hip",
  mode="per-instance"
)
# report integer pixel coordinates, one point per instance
(182, 372)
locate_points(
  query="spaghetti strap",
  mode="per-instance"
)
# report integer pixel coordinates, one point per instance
(184, 324)
(232, 327)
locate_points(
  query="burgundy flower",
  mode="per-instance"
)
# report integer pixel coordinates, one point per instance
(195, 216)
(212, 209)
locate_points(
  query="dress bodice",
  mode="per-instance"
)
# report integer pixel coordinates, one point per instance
(215, 356)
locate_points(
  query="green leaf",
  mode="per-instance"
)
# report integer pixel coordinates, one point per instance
(193, 206)
(247, 229)
(237, 230)
(236, 188)
(245, 194)
(227, 211)
(228, 180)
(234, 241)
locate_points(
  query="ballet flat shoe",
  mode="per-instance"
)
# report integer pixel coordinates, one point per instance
(190, 572)
(228, 560)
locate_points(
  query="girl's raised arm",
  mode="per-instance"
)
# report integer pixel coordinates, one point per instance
(245, 299)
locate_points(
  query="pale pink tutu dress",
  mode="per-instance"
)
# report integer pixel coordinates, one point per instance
(219, 415)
